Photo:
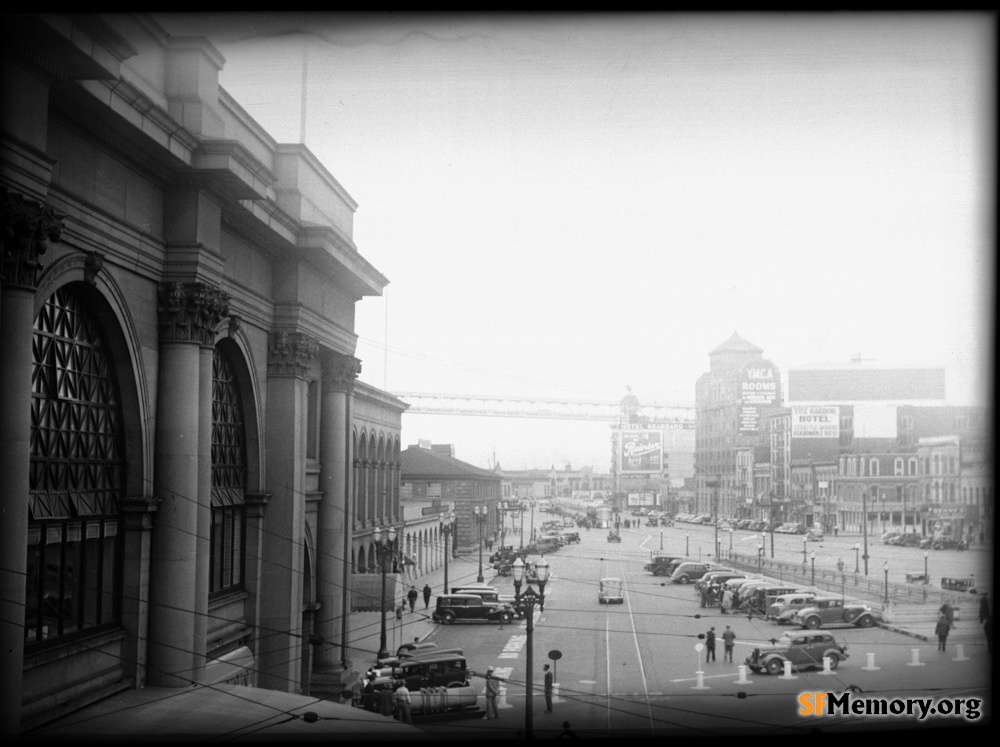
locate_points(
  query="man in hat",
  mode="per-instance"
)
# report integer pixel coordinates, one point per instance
(411, 596)
(492, 693)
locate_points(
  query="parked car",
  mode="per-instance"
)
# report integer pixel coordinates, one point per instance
(756, 526)
(910, 539)
(687, 572)
(717, 577)
(784, 607)
(949, 543)
(492, 595)
(658, 565)
(889, 537)
(791, 527)
(834, 611)
(611, 591)
(613, 536)
(570, 537)
(814, 535)
(453, 608)
(803, 650)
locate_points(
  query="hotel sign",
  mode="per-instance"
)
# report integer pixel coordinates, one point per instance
(815, 421)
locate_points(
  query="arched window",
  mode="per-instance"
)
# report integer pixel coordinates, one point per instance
(873, 467)
(77, 474)
(229, 469)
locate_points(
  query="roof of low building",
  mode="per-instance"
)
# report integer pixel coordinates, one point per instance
(417, 463)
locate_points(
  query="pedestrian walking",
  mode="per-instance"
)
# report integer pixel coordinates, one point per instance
(492, 693)
(728, 642)
(724, 601)
(412, 595)
(402, 698)
(988, 630)
(710, 645)
(949, 612)
(427, 595)
(840, 565)
(984, 608)
(548, 687)
(399, 610)
(941, 631)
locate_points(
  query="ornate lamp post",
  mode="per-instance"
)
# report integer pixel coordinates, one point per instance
(385, 551)
(480, 515)
(446, 530)
(730, 539)
(687, 544)
(804, 541)
(886, 569)
(529, 599)
(813, 556)
(857, 549)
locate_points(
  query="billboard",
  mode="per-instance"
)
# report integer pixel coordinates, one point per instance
(641, 452)
(758, 388)
(815, 421)
(641, 499)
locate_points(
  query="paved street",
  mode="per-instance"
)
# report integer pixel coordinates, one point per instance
(633, 668)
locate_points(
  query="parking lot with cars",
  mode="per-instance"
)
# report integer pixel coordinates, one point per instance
(621, 666)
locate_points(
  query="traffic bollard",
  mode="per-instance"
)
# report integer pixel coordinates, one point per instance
(555, 693)
(915, 661)
(788, 672)
(742, 669)
(826, 666)
(502, 699)
(960, 650)
(870, 666)
(701, 681)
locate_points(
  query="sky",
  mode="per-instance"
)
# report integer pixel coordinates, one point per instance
(566, 205)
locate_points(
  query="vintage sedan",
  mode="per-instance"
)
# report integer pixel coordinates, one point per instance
(613, 536)
(783, 609)
(803, 650)
(834, 611)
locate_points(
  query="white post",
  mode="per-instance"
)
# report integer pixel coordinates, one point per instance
(742, 669)
(915, 662)
(555, 693)
(960, 649)
(701, 681)
(870, 666)
(502, 700)
(826, 666)
(788, 672)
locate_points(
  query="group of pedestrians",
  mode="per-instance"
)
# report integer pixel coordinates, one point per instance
(946, 622)
(728, 644)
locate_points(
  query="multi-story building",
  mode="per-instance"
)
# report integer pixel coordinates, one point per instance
(185, 453)
(733, 400)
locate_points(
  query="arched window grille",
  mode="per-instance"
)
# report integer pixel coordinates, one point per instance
(228, 479)
(77, 475)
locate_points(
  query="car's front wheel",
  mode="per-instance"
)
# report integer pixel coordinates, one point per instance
(506, 617)
(834, 661)
(447, 617)
(683, 580)
(812, 623)
(775, 667)
(660, 572)
(866, 621)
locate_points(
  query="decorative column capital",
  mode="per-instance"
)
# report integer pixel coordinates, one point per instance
(339, 372)
(290, 353)
(190, 312)
(26, 228)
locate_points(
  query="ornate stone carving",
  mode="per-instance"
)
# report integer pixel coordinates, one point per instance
(190, 312)
(91, 266)
(339, 372)
(28, 226)
(234, 325)
(290, 353)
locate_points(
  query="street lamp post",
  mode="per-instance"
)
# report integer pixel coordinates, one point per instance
(804, 541)
(384, 551)
(857, 549)
(480, 515)
(446, 529)
(813, 582)
(661, 539)
(687, 544)
(864, 523)
(520, 509)
(886, 569)
(529, 599)
(760, 554)
(927, 578)
(730, 539)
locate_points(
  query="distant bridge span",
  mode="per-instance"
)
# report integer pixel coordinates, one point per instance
(671, 415)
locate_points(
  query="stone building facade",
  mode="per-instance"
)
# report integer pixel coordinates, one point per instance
(186, 457)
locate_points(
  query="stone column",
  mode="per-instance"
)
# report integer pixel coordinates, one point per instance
(189, 314)
(333, 540)
(138, 519)
(290, 355)
(256, 508)
(26, 228)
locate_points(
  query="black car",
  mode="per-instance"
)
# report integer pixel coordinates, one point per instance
(453, 608)
(803, 650)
